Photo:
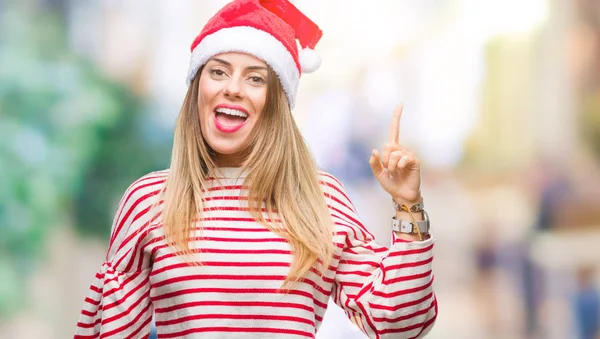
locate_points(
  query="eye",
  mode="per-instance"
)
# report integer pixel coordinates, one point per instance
(217, 72)
(257, 80)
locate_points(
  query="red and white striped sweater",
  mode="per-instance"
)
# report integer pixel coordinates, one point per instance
(386, 292)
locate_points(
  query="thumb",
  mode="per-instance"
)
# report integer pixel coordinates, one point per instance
(375, 162)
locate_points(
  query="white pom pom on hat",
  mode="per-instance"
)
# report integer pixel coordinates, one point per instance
(309, 60)
(267, 29)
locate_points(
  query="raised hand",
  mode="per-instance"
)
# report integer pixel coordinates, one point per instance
(397, 170)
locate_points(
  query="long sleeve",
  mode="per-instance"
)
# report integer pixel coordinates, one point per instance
(118, 302)
(387, 293)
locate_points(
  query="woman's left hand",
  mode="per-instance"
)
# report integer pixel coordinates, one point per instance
(397, 170)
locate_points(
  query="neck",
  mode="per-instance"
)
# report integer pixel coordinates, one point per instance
(228, 160)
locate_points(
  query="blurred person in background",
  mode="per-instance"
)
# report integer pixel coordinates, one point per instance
(586, 305)
(552, 187)
(243, 236)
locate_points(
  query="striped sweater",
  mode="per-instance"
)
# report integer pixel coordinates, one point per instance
(387, 293)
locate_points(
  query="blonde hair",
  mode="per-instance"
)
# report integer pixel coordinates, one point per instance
(282, 175)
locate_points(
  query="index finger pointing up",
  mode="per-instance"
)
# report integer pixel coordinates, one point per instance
(395, 126)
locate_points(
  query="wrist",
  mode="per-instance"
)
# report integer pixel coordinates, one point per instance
(409, 207)
(410, 219)
(402, 201)
(403, 215)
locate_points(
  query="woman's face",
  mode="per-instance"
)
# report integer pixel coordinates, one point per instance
(231, 96)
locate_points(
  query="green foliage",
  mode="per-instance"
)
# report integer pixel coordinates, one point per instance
(70, 142)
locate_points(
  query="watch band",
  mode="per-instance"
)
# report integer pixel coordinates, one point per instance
(413, 209)
(408, 227)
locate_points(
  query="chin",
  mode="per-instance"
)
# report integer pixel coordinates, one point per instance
(227, 150)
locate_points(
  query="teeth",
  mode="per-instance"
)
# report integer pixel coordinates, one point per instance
(230, 111)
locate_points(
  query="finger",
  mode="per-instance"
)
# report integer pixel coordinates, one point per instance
(388, 148)
(395, 126)
(394, 159)
(403, 162)
(375, 163)
(409, 162)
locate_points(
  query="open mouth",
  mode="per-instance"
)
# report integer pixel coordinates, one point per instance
(229, 119)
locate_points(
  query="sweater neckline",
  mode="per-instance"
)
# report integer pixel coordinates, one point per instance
(231, 173)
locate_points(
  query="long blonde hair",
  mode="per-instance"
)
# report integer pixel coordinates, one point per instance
(282, 175)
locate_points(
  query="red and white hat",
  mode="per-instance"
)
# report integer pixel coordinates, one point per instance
(266, 29)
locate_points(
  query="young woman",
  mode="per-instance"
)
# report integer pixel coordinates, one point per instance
(243, 237)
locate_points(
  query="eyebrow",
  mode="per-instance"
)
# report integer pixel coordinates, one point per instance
(226, 63)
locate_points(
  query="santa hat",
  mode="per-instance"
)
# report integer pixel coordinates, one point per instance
(266, 29)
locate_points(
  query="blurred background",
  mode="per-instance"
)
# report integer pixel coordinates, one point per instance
(502, 104)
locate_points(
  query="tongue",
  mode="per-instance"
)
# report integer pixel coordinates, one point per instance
(229, 120)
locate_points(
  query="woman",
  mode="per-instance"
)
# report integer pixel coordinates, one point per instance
(242, 237)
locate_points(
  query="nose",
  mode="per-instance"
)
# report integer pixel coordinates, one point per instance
(233, 89)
